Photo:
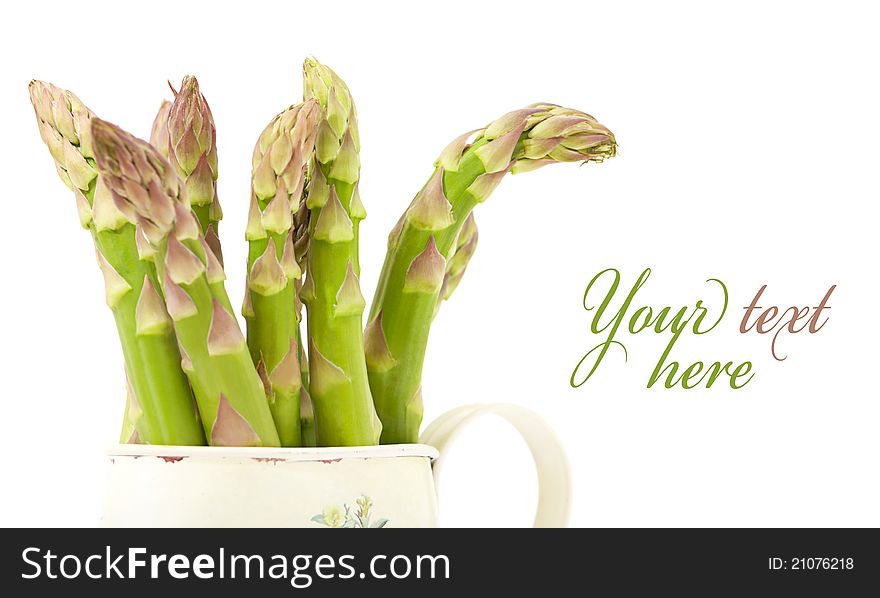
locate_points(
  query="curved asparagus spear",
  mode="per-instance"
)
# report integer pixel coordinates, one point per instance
(192, 150)
(467, 171)
(146, 190)
(339, 389)
(166, 413)
(280, 160)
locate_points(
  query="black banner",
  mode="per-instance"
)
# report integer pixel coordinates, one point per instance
(183, 562)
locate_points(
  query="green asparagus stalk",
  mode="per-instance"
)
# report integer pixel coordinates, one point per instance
(159, 140)
(419, 256)
(192, 150)
(338, 385)
(146, 190)
(166, 414)
(280, 161)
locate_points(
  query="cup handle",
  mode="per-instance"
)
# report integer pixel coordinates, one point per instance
(554, 479)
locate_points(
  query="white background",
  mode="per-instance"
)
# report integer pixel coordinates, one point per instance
(748, 152)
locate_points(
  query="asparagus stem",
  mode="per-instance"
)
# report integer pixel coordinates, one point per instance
(156, 381)
(280, 161)
(421, 250)
(339, 389)
(147, 191)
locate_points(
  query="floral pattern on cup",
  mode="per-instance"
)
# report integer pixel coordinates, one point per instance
(345, 516)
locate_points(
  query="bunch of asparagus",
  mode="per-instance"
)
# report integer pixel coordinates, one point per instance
(152, 210)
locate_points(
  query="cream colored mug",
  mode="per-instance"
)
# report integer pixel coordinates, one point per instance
(376, 486)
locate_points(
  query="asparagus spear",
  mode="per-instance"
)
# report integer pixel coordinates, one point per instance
(146, 190)
(419, 256)
(338, 385)
(159, 140)
(280, 161)
(166, 414)
(192, 150)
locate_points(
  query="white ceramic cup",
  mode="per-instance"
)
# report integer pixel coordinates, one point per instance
(377, 486)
